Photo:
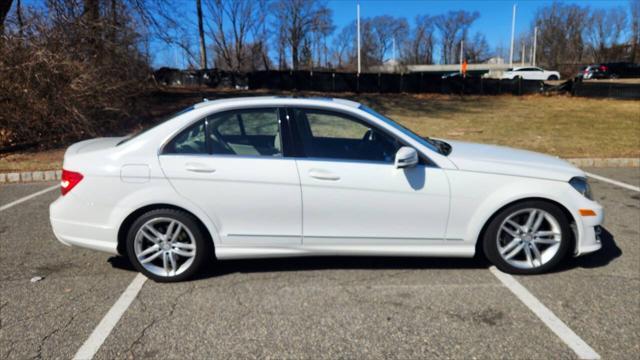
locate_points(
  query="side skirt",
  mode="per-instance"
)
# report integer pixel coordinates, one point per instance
(256, 252)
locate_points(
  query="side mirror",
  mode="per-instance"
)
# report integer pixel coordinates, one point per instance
(406, 157)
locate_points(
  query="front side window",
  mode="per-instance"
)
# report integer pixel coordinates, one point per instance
(250, 132)
(337, 136)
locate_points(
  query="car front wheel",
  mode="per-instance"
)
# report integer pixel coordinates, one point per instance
(167, 245)
(530, 237)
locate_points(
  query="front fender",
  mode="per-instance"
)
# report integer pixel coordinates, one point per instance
(471, 210)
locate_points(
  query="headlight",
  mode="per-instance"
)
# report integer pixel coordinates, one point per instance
(582, 186)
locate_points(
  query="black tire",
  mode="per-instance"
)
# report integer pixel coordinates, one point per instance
(490, 241)
(552, 77)
(203, 250)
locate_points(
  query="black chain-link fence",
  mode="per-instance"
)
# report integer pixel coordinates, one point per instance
(415, 82)
(607, 89)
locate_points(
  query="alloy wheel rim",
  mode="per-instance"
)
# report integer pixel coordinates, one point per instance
(165, 246)
(529, 238)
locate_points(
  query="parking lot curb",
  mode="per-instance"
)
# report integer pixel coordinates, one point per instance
(53, 175)
(30, 176)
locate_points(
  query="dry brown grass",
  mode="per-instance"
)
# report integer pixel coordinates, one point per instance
(559, 125)
(31, 161)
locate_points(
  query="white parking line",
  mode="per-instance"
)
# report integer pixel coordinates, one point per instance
(21, 200)
(614, 182)
(109, 321)
(581, 348)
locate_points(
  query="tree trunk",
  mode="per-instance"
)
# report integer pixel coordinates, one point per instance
(19, 16)
(92, 10)
(91, 14)
(294, 57)
(5, 6)
(203, 47)
(114, 21)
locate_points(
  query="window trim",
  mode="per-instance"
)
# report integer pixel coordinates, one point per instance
(299, 147)
(283, 128)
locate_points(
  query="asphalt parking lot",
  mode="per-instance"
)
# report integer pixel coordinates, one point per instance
(316, 307)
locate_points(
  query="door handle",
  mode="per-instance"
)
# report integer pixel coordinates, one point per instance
(323, 175)
(199, 168)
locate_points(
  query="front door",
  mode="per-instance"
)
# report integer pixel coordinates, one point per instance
(232, 165)
(352, 194)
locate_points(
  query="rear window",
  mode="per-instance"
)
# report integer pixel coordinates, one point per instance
(151, 126)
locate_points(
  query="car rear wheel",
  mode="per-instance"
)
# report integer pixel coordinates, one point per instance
(530, 237)
(552, 77)
(167, 245)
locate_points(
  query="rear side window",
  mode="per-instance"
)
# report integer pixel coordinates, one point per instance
(248, 132)
(189, 141)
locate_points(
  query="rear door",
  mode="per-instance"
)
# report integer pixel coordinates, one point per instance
(353, 194)
(234, 165)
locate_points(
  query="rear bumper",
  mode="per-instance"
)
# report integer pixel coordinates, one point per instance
(78, 233)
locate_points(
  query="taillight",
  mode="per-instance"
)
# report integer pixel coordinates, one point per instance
(69, 180)
(603, 68)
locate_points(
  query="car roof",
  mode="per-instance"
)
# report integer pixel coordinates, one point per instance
(277, 100)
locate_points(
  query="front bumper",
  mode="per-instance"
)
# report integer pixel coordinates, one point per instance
(589, 231)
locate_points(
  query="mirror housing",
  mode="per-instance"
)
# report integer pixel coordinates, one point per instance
(406, 157)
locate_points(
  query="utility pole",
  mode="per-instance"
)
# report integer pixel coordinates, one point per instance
(523, 52)
(513, 31)
(535, 41)
(358, 21)
(203, 47)
(461, 54)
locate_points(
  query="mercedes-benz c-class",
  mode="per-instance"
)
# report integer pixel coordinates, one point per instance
(278, 177)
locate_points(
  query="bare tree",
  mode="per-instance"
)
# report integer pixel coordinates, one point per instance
(70, 74)
(453, 27)
(298, 19)
(419, 48)
(260, 34)
(635, 30)
(281, 35)
(477, 49)
(343, 45)
(385, 30)
(603, 32)
(560, 34)
(320, 31)
(165, 21)
(232, 22)
(5, 6)
(203, 46)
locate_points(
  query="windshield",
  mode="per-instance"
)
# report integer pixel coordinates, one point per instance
(151, 126)
(432, 144)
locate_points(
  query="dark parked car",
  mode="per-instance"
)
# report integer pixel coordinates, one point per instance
(611, 71)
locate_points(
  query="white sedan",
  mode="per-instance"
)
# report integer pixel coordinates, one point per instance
(530, 73)
(276, 177)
